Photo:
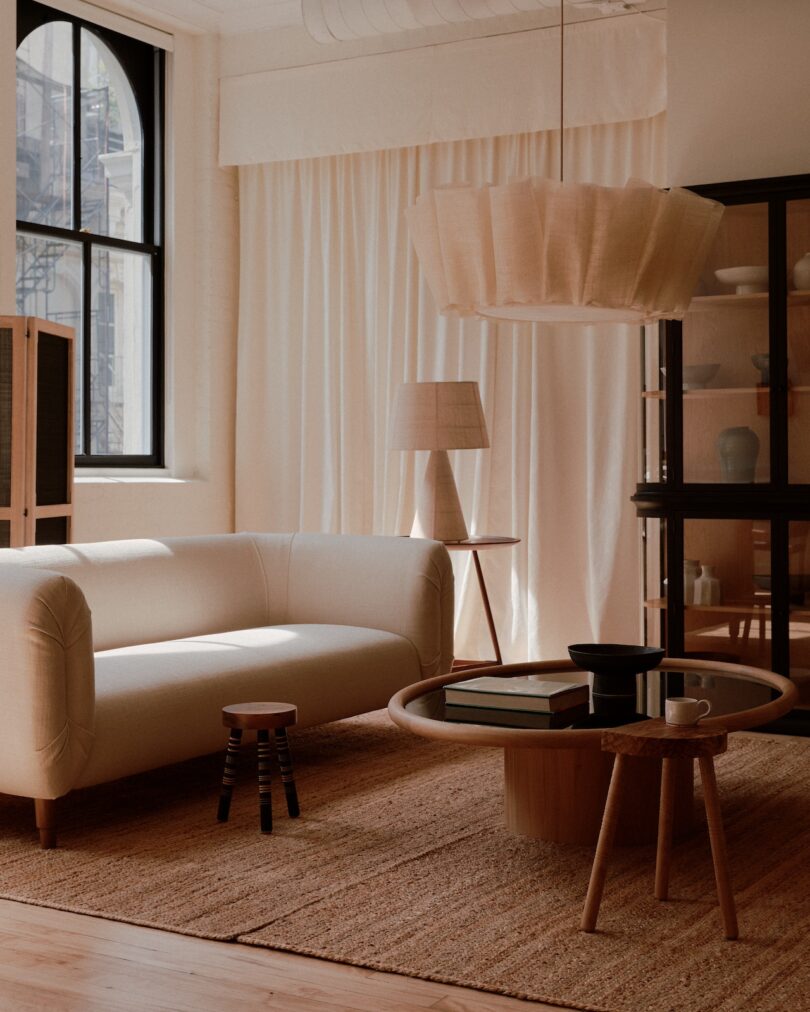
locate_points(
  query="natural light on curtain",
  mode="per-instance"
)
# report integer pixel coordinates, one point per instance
(334, 315)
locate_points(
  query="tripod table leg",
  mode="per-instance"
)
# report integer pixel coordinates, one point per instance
(718, 841)
(603, 847)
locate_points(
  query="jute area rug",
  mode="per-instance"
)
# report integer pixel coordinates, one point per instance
(399, 862)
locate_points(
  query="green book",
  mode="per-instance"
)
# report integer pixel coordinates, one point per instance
(514, 718)
(517, 693)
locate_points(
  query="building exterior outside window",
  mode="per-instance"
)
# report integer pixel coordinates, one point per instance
(89, 221)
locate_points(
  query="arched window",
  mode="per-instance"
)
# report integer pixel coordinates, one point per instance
(89, 189)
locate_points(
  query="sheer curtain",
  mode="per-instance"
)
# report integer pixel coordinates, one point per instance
(334, 316)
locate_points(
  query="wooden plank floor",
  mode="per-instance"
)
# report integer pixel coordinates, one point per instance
(64, 962)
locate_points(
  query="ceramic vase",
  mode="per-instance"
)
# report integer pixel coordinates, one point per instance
(738, 448)
(691, 570)
(801, 273)
(707, 587)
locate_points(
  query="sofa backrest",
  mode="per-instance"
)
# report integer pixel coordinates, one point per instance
(400, 585)
(146, 591)
(150, 590)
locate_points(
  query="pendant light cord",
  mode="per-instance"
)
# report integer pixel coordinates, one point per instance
(562, 78)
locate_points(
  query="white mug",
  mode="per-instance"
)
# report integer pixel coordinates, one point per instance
(685, 711)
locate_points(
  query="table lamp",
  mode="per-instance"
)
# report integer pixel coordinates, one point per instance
(438, 417)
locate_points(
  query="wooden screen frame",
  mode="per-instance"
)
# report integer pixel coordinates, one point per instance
(33, 511)
(23, 512)
(14, 513)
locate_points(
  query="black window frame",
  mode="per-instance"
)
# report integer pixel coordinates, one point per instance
(145, 68)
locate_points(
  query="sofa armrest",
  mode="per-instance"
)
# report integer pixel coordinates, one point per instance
(46, 682)
(398, 585)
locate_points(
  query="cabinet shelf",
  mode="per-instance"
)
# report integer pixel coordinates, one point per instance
(743, 608)
(660, 395)
(752, 300)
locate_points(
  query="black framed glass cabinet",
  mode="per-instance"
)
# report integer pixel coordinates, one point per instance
(725, 490)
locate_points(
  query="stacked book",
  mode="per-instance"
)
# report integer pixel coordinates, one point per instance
(516, 702)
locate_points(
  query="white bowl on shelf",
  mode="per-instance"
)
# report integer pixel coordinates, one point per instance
(746, 280)
(695, 377)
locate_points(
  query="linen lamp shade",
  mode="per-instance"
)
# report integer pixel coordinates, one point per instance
(438, 417)
(537, 249)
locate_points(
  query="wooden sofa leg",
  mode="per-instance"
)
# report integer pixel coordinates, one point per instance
(45, 810)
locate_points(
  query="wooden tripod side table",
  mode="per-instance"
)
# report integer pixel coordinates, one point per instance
(668, 743)
(481, 543)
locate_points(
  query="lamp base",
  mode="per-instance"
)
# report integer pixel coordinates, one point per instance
(438, 509)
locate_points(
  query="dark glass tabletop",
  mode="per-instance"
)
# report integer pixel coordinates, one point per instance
(729, 692)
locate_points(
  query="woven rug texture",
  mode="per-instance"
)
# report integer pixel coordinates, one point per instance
(400, 862)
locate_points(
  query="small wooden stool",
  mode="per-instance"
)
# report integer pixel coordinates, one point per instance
(667, 742)
(260, 717)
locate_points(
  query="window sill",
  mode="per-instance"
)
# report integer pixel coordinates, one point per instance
(145, 477)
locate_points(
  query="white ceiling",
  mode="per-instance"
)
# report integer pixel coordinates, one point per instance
(230, 17)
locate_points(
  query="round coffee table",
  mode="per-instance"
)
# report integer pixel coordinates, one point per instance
(556, 780)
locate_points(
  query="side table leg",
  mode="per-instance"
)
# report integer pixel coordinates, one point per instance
(265, 801)
(285, 765)
(718, 841)
(487, 609)
(603, 847)
(229, 774)
(666, 814)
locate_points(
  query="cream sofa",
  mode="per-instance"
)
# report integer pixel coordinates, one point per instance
(183, 626)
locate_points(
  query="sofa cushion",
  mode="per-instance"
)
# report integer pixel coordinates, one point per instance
(159, 703)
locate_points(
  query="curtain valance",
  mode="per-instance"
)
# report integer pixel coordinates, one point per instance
(615, 71)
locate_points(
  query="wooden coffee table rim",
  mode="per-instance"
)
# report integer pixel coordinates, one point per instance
(590, 738)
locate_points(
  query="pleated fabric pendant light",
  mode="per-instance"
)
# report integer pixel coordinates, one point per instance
(543, 250)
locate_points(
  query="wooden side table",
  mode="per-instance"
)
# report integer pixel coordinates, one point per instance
(658, 740)
(481, 543)
(261, 718)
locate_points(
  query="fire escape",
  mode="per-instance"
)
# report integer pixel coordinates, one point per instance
(44, 198)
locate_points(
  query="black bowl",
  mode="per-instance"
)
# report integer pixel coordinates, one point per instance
(615, 658)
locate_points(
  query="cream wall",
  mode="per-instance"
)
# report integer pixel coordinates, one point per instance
(738, 103)
(194, 494)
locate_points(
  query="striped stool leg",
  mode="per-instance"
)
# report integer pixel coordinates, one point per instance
(229, 775)
(285, 763)
(265, 802)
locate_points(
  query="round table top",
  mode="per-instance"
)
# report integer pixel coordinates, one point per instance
(742, 697)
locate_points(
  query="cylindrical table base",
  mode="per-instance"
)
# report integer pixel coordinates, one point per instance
(559, 795)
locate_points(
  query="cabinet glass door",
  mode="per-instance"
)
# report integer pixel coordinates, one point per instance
(655, 581)
(799, 597)
(654, 451)
(726, 415)
(798, 328)
(727, 590)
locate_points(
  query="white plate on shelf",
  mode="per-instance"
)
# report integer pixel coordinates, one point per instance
(746, 280)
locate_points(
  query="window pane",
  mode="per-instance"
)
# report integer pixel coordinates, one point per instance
(49, 285)
(45, 125)
(121, 353)
(112, 154)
